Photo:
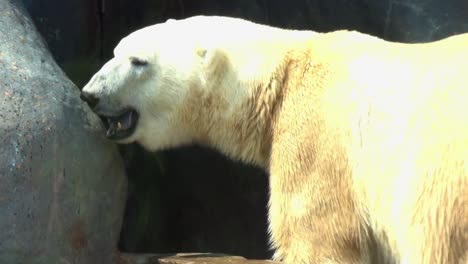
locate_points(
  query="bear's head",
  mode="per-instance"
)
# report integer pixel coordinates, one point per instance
(174, 83)
(140, 92)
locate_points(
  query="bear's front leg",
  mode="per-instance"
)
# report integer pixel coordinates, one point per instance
(309, 226)
(313, 209)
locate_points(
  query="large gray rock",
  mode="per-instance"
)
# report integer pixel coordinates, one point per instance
(62, 185)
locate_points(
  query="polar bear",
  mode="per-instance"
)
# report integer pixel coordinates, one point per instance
(365, 141)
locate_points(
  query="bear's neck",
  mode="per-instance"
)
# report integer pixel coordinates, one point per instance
(238, 112)
(242, 129)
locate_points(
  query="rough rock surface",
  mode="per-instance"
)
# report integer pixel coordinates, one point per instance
(62, 185)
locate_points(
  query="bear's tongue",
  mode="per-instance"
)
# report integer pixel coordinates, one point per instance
(119, 123)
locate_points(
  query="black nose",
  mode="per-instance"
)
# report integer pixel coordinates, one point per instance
(89, 98)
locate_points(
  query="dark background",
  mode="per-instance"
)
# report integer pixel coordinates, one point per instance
(193, 199)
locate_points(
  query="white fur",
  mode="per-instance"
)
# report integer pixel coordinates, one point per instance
(365, 141)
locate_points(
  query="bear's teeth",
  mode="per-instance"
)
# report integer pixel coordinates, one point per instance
(125, 121)
(110, 131)
(112, 127)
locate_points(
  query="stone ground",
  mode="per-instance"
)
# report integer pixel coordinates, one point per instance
(192, 258)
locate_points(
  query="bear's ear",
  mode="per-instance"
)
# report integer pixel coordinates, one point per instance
(212, 58)
(201, 52)
(170, 20)
(207, 54)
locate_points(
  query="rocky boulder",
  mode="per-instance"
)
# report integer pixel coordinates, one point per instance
(63, 186)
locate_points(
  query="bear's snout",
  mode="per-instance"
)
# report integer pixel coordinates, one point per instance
(91, 99)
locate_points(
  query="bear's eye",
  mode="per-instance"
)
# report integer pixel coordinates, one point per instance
(138, 62)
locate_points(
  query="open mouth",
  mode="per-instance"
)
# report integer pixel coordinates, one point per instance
(120, 126)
